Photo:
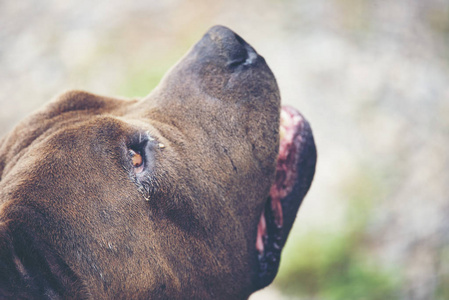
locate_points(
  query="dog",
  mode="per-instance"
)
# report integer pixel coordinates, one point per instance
(188, 193)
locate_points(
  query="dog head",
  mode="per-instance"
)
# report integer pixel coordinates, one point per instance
(188, 193)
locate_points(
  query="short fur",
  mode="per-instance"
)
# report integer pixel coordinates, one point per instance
(76, 224)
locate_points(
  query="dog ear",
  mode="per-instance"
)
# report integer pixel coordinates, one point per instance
(29, 270)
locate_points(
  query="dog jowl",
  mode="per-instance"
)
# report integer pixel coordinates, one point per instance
(188, 193)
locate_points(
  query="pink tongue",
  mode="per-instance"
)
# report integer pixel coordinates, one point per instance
(285, 171)
(261, 232)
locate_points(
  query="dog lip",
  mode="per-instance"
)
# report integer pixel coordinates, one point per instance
(292, 180)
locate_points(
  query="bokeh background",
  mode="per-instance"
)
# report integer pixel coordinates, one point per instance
(372, 77)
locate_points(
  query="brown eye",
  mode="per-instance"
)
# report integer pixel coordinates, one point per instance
(137, 161)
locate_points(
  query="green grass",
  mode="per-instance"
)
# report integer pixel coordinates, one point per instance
(333, 268)
(141, 81)
(442, 291)
(144, 73)
(338, 266)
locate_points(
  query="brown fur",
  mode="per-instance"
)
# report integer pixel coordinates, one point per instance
(75, 224)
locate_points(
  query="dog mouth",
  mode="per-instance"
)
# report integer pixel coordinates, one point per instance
(294, 173)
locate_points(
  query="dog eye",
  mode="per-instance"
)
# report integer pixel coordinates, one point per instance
(137, 161)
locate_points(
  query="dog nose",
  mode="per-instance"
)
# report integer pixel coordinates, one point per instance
(236, 51)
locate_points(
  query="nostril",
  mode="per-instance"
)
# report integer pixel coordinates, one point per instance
(252, 55)
(226, 44)
(241, 54)
(235, 63)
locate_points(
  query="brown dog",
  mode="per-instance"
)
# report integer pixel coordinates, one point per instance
(185, 194)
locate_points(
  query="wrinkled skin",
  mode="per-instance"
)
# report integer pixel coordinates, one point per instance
(79, 220)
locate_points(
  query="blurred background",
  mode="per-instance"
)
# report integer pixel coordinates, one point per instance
(372, 77)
